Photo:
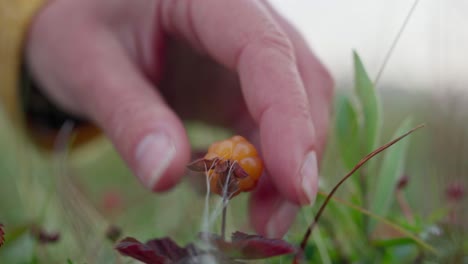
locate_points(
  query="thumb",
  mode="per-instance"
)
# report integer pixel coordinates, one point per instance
(99, 79)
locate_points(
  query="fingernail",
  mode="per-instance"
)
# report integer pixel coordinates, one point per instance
(153, 156)
(281, 220)
(309, 174)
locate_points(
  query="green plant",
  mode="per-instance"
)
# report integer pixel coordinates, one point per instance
(225, 171)
(358, 130)
(372, 221)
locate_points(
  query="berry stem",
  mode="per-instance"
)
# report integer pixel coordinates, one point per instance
(223, 219)
(225, 201)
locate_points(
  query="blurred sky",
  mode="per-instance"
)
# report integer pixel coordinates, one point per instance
(431, 54)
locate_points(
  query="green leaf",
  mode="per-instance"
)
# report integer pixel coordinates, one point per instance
(401, 254)
(370, 105)
(15, 233)
(390, 171)
(418, 240)
(394, 242)
(347, 132)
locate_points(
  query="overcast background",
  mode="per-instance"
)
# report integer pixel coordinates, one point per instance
(431, 54)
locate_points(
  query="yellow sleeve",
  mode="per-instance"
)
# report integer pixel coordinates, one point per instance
(15, 18)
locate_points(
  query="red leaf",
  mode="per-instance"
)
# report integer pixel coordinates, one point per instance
(202, 165)
(2, 235)
(168, 248)
(164, 250)
(137, 250)
(244, 246)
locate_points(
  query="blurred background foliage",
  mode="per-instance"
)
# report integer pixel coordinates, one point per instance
(83, 195)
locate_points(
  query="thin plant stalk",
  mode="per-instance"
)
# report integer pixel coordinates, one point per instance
(395, 41)
(226, 197)
(223, 220)
(405, 207)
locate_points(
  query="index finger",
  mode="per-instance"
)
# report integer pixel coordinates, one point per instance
(244, 37)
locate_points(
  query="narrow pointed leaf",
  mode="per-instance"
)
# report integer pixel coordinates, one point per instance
(390, 171)
(369, 105)
(347, 132)
(201, 165)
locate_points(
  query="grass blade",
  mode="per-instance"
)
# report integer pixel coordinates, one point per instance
(347, 132)
(369, 102)
(390, 171)
(385, 221)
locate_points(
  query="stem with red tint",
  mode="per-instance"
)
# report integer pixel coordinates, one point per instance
(358, 165)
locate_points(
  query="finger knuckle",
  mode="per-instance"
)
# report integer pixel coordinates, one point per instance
(296, 107)
(116, 116)
(269, 39)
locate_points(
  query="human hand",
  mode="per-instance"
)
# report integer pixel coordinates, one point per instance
(136, 67)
